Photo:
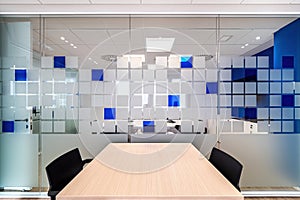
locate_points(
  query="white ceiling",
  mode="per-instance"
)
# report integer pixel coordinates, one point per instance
(100, 36)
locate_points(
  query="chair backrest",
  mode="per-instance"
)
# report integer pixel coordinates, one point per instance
(63, 169)
(227, 165)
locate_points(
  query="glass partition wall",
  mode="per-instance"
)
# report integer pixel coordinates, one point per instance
(85, 81)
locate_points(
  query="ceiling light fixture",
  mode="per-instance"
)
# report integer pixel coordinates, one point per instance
(66, 41)
(242, 47)
(257, 38)
(246, 44)
(159, 44)
(62, 38)
(72, 44)
(225, 38)
(90, 58)
(75, 47)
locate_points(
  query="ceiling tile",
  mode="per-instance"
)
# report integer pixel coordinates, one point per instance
(91, 36)
(216, 2)
(295, 2)
(116, 1)
(54, 36)
(166, 1)
(65, 1)
(19, 2)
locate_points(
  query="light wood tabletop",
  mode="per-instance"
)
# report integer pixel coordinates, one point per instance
(149, 171)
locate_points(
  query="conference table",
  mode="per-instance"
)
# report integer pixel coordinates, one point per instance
(149, 171)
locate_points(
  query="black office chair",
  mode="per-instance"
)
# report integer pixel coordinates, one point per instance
(227, 165)
(62, 170)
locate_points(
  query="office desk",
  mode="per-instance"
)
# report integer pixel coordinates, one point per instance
(149, 171)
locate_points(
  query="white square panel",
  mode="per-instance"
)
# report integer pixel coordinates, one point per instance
(33, 101)
(148, 75)
(288, 126)
(136, 100)
(275, 126)
(297, 100)
(109, 88)
(136, 62)
(122, 113)
(211, 100)
(59, 127)
(59, 113)
(72, 62)
(47, 88)
(46, 126)
(225, 100)
(84, 113)
(174, 62)
(263, 113)
(20, 88)
(275, 75)
(109, 75)
(85, 75)
(46, 113)
(122, 75)
(47, 62)
(173, 88)
(59, 75)
(262, 126)
(136, 75)
(297, 87)
(199, 62)
(33, 75)
(250, 88)
(122, 126)
(186, 88)
(160, 126)
(136, 113)
(122, 100)
(46, 75)
(250, 100)
(237, 88)
(72, 101)
(225, 75)
(186, 126)
(287, 113)
(297, 113)
(161, 113)
(288, 87)
(238, 126)
(85, 100)
(275, 113)
(199, 88)
(161, 75)
(97, 87)
(237, 100)
(275, 88)
(275, 100)
(161, 61)
(199, 75)
(122, 62)
(149, 88)
(97, 100)
(136, 88)
(84, 87)
(33, 88)
(263, 75)
(173, 113)
(186, 75)
(262, 88)
(109, 126)
(85, 127)
(238, 62)
(148, 113)
(122, 88)
(47, 100)
(72, 88)
(8, 75)
(211, 75)
(225, 88)
(262, 62)
(225, 61)
(250, 62)
(59, 88)
(189, 114)
(161, 87)
(287, 74)
(109, 101)
(20, 101)
(161, 100)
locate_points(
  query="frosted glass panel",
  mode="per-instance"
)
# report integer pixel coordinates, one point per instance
(238, 88)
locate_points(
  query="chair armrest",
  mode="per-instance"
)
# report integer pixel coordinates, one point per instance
(86, 161)
(52, 193)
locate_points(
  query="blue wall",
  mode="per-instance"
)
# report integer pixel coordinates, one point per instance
(268, 52)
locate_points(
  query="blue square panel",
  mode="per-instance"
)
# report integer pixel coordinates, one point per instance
(211, 88)
(8, 126)
(287, 61)
(250, 113)
(109, 113)
(250, 75)
(174, 100)
(287, 100)
(238, 74)
(186, 61)
(59, 62)
(238, 112)
(20, 75)
(148, 126)
(97, 74)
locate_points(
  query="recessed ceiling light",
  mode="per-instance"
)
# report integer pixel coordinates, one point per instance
(95, 62)
(75, 47)
(159, 44)
(90, 58)
(225, 38)
(246, 44)
(72, 44)
(242, 47)
(257, 38)
(62, 38)
(66, 41)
